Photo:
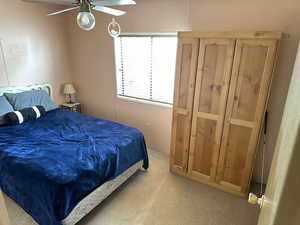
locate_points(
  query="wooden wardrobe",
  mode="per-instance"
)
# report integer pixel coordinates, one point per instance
(221, 92)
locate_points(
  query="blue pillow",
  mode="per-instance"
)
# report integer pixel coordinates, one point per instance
(31, 98)
(5, 107)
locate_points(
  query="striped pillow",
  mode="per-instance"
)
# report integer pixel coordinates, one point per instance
(21, 116)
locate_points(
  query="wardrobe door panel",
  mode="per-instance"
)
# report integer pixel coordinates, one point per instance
(249, 82)
(212, 77)
(187, 58)
(183, 99)
(249, 88)
(182, 129)
(238, 140)
(212, 84)
(205, 142)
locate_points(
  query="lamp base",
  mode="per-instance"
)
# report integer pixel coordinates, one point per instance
(70, 99)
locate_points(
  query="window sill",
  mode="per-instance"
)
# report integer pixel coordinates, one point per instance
(145, 102)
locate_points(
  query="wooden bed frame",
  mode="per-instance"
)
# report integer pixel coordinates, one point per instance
(8, 207)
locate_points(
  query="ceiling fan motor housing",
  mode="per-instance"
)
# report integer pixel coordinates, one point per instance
(85, 6)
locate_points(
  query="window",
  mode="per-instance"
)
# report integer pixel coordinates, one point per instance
(145, 67)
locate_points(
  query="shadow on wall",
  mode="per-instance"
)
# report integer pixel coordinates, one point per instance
(289, 207)
(278, 95)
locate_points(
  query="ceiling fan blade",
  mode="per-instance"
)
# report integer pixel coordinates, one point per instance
(59, 2)
(113, 2)
(62, 11)
(111, 11)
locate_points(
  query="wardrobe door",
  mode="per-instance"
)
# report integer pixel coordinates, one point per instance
(213, 77)
(187, 57)
(249, 88)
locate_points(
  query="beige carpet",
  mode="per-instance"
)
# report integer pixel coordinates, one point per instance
(158, 197)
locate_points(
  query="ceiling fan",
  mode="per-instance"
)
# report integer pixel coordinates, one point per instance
(85, 18)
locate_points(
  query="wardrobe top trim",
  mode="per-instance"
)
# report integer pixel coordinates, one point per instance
(233, 34)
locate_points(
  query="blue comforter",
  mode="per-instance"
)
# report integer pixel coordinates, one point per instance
(48, 165)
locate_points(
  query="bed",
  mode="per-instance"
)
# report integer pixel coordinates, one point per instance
(59, 167)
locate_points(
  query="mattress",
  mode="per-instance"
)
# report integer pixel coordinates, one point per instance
(50, 164)
(19, 217)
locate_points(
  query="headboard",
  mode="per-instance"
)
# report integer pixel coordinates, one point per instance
(18, 89)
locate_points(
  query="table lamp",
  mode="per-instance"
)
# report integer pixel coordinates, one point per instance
(69, 90)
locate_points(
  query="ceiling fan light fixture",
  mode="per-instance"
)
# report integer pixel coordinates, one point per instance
(86, 20)
(114, 28)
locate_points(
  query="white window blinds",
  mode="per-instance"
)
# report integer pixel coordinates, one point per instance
(146, 67)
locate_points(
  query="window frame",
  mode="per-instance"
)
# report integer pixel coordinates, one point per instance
(136, 99)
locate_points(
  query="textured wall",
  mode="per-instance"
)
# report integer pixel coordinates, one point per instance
(34, 45)
(92, 56)
(94, 70)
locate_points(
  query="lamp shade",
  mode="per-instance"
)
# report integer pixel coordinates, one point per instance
(69, 89)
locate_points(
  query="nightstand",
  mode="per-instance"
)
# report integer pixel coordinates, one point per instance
(73, 107)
